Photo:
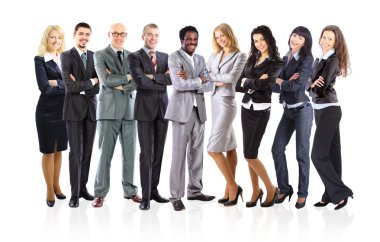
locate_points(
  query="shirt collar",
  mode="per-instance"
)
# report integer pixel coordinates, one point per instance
(116, 50)
(80, 52)
(148, 50)
(328, 54)
(48, 57)
(295, 56)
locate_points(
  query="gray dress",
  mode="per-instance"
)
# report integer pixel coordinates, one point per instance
(223, 105)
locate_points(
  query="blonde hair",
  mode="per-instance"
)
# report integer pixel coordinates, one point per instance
(42, 49)
(226, 31)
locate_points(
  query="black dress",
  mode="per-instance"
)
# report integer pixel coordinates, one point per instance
(50, 126)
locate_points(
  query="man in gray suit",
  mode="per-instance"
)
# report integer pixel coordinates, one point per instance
(115, 115)
(187, 112)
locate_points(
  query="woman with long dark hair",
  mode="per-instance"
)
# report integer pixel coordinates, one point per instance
(297, 116)
(262, 69)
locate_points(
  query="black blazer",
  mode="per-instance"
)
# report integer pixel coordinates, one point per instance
(294, 91)
(152, 96)
(77, 105)
(262, 88)
(329, 70)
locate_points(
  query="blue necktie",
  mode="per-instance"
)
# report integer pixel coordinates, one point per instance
(83, 56)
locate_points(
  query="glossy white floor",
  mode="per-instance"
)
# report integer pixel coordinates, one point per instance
(23, 212)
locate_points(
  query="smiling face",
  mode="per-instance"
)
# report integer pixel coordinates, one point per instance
(260, 44)
(117, 34)
(151, 37)
(82, 36)
(296, 42)
(190, 42)
(327, 41)
(54, 41)
(221, 39)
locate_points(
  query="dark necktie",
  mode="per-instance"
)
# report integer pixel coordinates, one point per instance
(120, 57)
(83, 56)
(154, 61)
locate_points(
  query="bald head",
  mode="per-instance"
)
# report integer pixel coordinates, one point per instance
(117, 35)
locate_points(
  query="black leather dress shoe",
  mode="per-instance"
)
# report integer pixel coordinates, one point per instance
(60, 196)
(74, 202)
(178, 205)
(144, 205)
(159, 199)
(50, 203)
(87, 196)
(202, 197)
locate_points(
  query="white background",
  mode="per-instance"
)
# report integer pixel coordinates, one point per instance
(23, 211)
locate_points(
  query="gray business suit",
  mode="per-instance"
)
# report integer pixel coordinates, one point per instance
(115, 118)
(223, 104)
(187, 122)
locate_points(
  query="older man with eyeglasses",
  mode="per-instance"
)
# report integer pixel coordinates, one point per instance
(115, 115)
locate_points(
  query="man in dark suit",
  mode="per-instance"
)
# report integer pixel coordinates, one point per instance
(79, 110)
(149, 70)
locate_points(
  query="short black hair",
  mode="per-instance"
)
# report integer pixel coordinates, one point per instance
(183, 31)
(82, 25)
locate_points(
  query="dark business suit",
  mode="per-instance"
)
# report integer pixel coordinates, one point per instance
(50, 126)
(79, 111)
(149, 111)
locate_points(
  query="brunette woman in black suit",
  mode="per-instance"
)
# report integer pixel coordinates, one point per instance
(50, 126)
(326, 153)
(297, 116)
(260, 72)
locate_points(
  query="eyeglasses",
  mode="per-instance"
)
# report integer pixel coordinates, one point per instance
(115, 34)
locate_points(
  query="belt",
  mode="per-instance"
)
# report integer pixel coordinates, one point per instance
(299, 107)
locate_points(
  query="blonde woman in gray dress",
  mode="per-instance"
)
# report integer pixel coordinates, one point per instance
(225, 66)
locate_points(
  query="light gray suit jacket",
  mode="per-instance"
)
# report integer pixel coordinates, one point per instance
(184, 91)
(227, 71)
(113, 103)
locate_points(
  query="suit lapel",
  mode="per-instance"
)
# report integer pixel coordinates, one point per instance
(115, 58)
(186, 59)
(228, 57)
(76, 56)
(147, 59)
(54, 66)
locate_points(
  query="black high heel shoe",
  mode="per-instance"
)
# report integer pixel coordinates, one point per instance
(234, 202)
(289, 193)
(271, 203)
(60, 196)
(50, 203)
(223, 200)
(300, 205)
(253, 204)
(344, 203)
(320, 204)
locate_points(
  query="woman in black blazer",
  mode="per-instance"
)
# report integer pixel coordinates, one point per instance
(262, 69)
(50, 126)
(326, 153)
(297, 116)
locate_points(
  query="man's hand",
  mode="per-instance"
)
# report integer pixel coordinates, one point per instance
(182, 74)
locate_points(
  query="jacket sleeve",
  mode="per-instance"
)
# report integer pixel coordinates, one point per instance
(262, 84)
(76, 86)
(180, 84)
(43, 81)
(304, 71)
(238, 86)
(164, 79)
(329, 73)
(138, 75)
(110, 80)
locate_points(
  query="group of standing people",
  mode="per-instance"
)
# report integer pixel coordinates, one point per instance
(133, 86)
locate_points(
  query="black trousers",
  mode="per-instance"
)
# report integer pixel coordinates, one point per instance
(81, 136)
(326, 154)
(152, 136)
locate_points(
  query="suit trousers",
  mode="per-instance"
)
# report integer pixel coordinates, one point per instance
(81, 136)
(326, 154)
(109, 131)
(152, 136)
(187, 141)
